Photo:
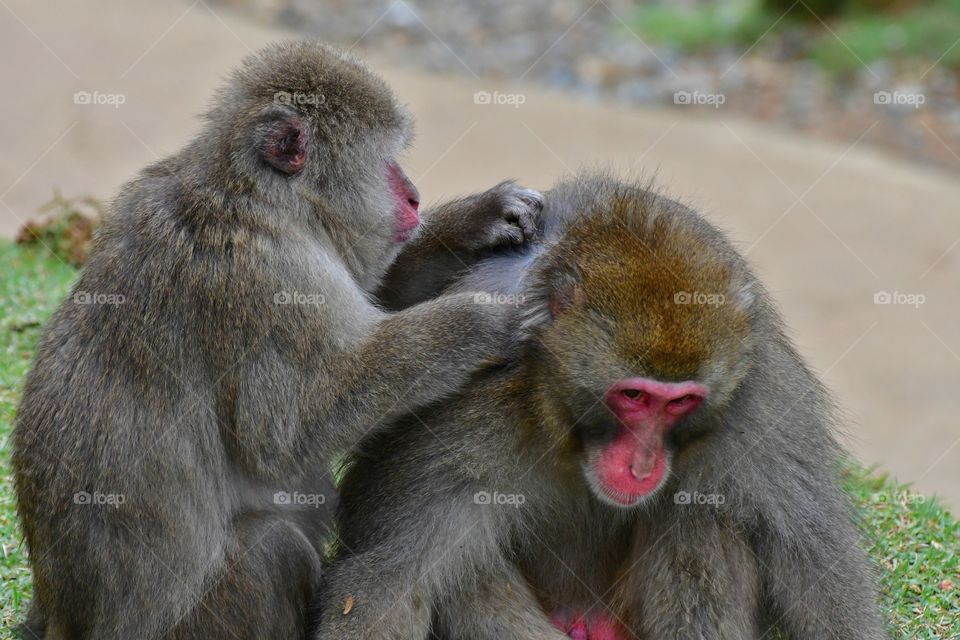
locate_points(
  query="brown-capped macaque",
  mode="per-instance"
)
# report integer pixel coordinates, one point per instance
(656, 462)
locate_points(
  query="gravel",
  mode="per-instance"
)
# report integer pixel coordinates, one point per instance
(589, 49)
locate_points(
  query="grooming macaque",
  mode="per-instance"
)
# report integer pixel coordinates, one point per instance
(656, 463)
(172, 445)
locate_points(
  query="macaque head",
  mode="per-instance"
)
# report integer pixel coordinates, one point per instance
(311, 129)
(643, 330)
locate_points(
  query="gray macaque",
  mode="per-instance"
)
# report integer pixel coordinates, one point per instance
(655, 462)
(172, 447)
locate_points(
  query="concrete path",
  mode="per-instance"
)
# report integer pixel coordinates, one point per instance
(827, 227)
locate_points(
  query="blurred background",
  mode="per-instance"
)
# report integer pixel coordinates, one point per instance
(823, 135)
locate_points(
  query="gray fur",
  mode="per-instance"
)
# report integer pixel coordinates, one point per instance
(418, 554)
(245, 351)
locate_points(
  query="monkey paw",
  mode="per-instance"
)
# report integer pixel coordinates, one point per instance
(587, 626)
(514, 216)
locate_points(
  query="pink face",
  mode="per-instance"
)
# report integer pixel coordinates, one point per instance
(635, 463)
(407, 203)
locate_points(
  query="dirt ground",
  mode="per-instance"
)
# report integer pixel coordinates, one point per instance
(833, 230)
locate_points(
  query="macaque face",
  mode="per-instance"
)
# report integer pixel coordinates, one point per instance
(647, 334)
(635, 463)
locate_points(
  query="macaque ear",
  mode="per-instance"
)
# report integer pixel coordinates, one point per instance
(559, 291)
(283, 140)
(565, 296)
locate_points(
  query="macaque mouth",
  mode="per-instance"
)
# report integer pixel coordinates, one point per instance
(406, 203)
(635, 463)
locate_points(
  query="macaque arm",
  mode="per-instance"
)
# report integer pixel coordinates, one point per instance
(815, 575)
(815, 572)
(454, 236)
(412, 358)
(432, 260)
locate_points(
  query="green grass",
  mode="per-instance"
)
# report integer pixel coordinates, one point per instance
(921, 32)
(32, 282)
(924, 34)
(914, 542)
(702, 29)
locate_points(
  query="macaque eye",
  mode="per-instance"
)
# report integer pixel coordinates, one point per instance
(682, 400)
(633, 394)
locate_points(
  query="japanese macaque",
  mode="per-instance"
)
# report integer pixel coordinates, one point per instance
(657, 461)
(172, 448)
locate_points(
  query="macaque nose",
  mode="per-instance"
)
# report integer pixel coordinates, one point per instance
(413, 196)
(647, 398)
(403, 187)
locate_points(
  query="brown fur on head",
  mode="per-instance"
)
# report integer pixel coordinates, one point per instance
(635, 287)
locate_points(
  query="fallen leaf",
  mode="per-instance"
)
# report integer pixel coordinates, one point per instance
(348, 605)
